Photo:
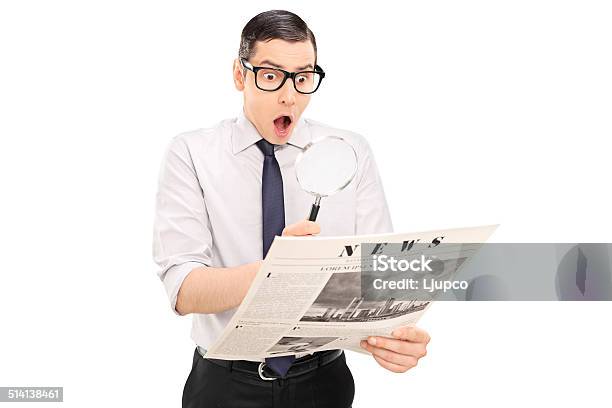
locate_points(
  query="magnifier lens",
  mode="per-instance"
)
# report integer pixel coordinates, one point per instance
(326, 166)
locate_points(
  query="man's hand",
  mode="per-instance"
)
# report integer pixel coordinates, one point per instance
(302, 228)
(401, 353)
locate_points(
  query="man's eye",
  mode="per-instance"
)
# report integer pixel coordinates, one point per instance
(302, 78)
(270, 76)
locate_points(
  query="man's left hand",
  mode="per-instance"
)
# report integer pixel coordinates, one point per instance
(400, 353)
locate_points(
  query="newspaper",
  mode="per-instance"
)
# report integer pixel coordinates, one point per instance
(307, 294)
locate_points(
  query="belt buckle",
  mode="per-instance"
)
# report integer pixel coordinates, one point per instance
(260, 370)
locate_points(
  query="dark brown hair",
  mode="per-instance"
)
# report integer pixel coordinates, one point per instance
(274, 24)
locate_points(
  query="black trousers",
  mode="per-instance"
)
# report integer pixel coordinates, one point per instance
(210, 385)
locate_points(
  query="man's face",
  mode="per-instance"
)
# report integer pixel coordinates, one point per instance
(268, 110)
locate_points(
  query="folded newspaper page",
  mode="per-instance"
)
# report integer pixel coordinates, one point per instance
(309, 294)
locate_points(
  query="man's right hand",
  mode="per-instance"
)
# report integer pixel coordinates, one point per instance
(302, 228)
(299, 229)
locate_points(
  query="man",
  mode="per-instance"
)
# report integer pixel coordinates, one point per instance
(226, 191)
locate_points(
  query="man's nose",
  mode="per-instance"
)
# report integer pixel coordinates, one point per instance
(287, 93)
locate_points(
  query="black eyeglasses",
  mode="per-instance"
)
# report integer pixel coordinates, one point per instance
(272, 79)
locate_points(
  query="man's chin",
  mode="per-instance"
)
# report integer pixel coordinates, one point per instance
(279, 140)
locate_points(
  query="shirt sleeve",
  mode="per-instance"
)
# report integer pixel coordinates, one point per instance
(182, 237)
(372, 211)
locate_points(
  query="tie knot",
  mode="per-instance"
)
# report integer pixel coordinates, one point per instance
(266, 147)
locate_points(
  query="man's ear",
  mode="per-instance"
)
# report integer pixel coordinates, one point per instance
(238, 76)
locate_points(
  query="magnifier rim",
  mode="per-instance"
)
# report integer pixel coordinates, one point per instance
(308, 146)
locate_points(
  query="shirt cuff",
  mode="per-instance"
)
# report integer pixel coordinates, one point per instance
(174, 278)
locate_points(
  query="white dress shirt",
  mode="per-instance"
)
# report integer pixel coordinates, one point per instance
(208, 205)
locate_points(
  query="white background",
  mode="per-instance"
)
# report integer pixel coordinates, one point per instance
(478, 113)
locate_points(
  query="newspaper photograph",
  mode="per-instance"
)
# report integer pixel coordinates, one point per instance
(321, 293)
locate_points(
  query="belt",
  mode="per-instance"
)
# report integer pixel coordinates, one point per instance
(299, 367)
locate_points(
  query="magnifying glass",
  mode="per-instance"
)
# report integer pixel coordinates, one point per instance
(324, 167)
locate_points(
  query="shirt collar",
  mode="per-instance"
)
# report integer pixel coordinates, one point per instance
(244, 134)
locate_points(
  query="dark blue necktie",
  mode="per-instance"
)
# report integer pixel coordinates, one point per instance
(273, 217)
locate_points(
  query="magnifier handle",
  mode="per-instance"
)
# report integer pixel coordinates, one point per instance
(314, 210)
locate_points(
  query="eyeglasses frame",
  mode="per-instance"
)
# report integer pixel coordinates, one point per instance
(287, 74)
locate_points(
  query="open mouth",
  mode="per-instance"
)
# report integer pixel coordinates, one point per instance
(282, 124)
